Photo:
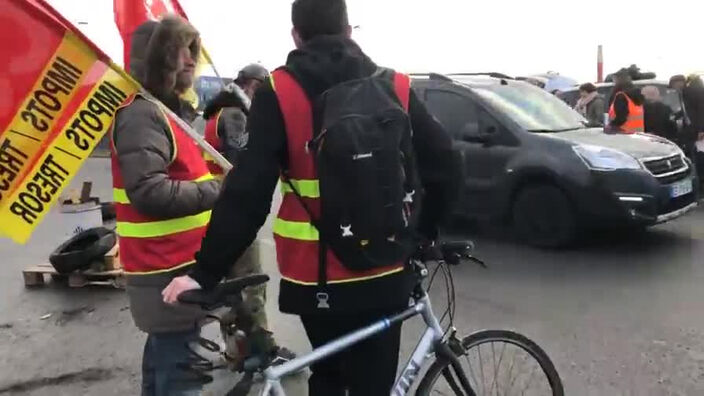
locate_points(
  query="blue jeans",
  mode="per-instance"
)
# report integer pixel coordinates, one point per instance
(165, 355)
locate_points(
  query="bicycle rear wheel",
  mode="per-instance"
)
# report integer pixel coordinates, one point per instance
(495, 362)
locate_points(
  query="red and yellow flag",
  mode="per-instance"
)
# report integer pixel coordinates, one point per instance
(129, 14)
(60, 93)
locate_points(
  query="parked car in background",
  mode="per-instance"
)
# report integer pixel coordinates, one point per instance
(531, 161)
(550, 81)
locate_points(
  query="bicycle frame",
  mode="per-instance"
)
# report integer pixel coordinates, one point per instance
(432, 336)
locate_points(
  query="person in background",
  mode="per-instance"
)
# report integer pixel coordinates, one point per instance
(590, 104)
(658, 116)
(226, 115)
(163, 195)
(225, 130)
(693, 95)
(677, 82)
(681, 118)
(625, 105)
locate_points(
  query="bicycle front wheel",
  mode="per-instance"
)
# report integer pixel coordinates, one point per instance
(495, 362)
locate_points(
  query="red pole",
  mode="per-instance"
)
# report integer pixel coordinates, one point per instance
(600, 64)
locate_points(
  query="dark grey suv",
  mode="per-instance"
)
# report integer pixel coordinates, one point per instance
(531, 160)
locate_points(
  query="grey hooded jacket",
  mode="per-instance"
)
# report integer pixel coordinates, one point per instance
(145, 149)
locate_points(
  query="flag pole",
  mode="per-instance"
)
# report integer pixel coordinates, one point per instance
(600, 64)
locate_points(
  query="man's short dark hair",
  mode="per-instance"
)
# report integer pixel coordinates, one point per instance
(587, 87)
(319, 17)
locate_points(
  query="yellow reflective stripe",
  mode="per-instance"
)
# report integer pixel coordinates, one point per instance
(164, 227)
(161, 271)
(363, 278)
(273, 84)
(306, 188)
(207, 176)
(119, 195)
(300, 230)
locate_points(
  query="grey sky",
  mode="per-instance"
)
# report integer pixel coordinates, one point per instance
(515, 37)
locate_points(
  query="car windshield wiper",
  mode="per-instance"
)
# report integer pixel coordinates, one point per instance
(555, 130)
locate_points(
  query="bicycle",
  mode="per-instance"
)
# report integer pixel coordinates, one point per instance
(445, 375)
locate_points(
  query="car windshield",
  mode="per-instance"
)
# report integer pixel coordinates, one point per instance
(532, 108)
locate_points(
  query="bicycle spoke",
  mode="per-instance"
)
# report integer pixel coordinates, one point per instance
(497, 369)
(530, 379)
(481, 367)
(510, 385)
(493, 356)
(519, 371)
(471, 372)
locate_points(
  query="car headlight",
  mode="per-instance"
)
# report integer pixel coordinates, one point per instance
(602, 158)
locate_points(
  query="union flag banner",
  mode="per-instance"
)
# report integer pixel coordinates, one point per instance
(60, 94)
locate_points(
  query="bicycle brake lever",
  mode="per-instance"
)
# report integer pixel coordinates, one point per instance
(478, 261)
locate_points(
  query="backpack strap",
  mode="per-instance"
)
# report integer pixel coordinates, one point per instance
(402, 86)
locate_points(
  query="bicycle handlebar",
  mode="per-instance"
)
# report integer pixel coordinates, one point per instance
(216, 297)
(451, 252)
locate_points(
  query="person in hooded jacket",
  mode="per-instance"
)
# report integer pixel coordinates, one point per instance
(325, 56)
(226, 114)
(225, 130)
(625, 105)
(163, 194)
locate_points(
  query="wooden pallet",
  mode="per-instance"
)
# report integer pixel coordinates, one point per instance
(106, 272)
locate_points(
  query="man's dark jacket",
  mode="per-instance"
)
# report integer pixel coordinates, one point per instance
(246, 198)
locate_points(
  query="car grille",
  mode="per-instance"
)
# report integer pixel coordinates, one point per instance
(666, 166)
(674, 177)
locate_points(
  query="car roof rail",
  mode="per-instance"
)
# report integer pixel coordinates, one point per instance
(489, 74)
(438, 76)
(431, 76)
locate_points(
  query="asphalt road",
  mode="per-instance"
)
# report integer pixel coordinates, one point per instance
(620, 315)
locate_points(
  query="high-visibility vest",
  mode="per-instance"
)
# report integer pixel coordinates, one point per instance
(295, 236)
(211, 136)
(635, 121)
(151, 245)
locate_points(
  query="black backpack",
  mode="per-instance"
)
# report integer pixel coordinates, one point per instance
(370, 192)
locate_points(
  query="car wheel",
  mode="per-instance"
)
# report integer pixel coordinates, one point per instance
(543, 216)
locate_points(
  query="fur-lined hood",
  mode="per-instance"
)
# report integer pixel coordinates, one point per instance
(154, 50)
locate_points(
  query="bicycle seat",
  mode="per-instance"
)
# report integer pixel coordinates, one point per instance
(218, 296)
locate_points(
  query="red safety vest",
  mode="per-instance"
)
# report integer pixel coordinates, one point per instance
(151, 245)
(211, 136)
(295, 237)
(635, 121)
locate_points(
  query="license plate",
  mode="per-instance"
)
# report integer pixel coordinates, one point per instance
(680, 188)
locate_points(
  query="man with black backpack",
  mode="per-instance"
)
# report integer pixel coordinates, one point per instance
(357, 153)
